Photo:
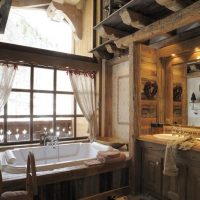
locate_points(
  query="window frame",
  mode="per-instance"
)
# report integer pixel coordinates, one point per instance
(31, 91)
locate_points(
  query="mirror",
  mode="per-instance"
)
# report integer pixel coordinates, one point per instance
(183, 93)
(193, 93)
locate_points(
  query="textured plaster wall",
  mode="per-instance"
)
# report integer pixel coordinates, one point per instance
(120, 101)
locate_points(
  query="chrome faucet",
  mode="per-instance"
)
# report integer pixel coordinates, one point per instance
(51, 139)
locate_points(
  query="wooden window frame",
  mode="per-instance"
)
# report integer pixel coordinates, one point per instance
(31, 116)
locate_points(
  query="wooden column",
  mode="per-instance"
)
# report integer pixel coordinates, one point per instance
(161, 89)
(106, 99)
(168, 92)
(135, 110)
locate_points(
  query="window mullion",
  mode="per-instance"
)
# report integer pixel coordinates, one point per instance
(75, 110)
(54, 100)
(31, 104)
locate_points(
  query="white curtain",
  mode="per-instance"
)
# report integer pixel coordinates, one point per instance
(7, 74)
(84, 91)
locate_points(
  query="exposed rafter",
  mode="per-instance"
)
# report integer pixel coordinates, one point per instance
(176, 20)
(134, 19)
(72, 15)
(173, 5)
(110, 33)
(32, 3)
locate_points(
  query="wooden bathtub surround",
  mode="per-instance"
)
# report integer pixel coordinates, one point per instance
(31, 184)
(80, 182)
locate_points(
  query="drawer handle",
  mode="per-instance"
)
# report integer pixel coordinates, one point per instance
(157, 163)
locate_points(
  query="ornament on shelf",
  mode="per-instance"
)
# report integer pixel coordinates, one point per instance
(150, 89)
(193, 97)
(177, 93)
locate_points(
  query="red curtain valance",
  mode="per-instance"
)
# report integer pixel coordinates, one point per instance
(90, 74)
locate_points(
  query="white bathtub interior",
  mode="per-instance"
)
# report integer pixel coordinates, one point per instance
(51, 157)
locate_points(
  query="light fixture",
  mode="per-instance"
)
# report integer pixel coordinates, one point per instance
(173, 54)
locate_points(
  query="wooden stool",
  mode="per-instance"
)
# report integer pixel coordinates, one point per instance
(31, 184)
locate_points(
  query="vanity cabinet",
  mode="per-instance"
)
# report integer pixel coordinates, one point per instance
(185, 186)
(151, 171)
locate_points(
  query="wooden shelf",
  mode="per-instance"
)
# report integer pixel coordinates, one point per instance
(149, 101)
(131, 17)
(177, 103)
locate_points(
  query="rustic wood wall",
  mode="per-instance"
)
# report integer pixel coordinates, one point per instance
(150, 70)
(83, 46)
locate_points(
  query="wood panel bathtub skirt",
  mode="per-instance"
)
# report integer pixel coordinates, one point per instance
(84, 187)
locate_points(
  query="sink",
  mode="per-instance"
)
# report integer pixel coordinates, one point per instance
(167, 136)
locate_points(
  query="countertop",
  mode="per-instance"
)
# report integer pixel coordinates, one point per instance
(152, 139)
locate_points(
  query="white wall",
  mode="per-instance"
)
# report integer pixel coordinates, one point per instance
(120, 101)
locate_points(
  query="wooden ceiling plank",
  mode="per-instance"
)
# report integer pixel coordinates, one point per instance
(110, 33)
(134, 19)
(173, 5)
(176, 20)
(32, 3)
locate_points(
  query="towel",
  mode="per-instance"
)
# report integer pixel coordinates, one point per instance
(120, 158)
(10, 157)
(93, 162)
(185, 143)
(109, 154)
(170, 168)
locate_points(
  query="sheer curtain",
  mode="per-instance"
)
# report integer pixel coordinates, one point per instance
(84, 91)
(7, 74)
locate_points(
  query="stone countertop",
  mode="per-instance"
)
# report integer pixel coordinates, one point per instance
(152, 139)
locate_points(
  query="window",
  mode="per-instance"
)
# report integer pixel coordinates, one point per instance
(38, 105)
(22, 28)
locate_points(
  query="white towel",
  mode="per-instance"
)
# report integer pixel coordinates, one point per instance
(10, 157)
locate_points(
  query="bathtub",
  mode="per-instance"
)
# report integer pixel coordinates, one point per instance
(49, 157)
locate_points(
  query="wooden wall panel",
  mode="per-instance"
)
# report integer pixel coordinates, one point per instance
(150, 71)
(83, 46)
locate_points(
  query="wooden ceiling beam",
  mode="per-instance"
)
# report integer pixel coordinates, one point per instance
(30, 3)
(176, 20)
(99, 54)
(173, 5)
(134, 19)
(180, 47)
(29, 55)
(110, 33)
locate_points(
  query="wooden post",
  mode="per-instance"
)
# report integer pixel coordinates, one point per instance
(134, 112)
(169, 92)
(106, 99)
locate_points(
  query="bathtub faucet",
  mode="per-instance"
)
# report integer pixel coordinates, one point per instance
(51, 140)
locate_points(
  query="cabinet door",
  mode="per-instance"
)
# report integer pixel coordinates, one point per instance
(151, 173)
(193, 183)
(174, 187)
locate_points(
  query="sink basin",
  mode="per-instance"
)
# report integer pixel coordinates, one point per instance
(167, 136)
